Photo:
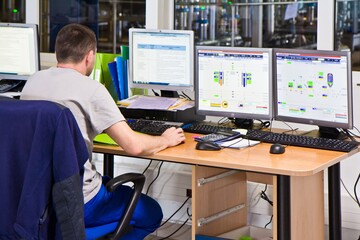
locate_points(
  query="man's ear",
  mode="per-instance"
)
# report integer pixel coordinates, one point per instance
(90, 55)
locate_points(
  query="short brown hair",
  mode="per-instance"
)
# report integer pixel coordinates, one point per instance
(73, 42)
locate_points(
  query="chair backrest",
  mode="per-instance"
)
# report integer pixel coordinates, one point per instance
(42, 153)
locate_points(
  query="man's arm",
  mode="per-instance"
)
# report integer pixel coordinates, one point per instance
(142, 144)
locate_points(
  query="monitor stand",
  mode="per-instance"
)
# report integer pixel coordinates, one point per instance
(244, 123)
(325, 132)
(329, 132)
(168, 93)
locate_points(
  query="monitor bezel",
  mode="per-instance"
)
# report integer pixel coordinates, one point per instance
(320, 123)
(253, 116)
(35, 29)
(162, 86)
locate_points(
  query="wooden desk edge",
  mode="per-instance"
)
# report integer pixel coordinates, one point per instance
(163, 156)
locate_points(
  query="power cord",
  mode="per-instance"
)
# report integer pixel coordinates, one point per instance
(158, 173)
(147, 167)
(355, 186)
(178, 229)
(264, 124)
(348, 192)
(271, 218)
(264, 196)
(155, 93)
(175, 212)
(224, 120)
(186, 96)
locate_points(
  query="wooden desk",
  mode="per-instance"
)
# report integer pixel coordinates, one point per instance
(298, 182)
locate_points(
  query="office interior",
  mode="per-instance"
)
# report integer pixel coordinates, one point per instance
(239, 23)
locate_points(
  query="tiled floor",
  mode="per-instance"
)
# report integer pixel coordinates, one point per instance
(185, 234)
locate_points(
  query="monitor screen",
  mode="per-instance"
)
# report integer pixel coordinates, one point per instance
(234, 82)
(19, 56)
(161, 59)
(313, 87)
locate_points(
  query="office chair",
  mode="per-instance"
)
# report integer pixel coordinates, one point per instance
(118, 229)
(42, 153)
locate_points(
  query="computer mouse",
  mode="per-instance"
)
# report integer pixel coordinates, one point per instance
(277, 148)
(208, 146)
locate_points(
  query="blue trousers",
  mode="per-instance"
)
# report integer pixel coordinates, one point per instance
(107, 207)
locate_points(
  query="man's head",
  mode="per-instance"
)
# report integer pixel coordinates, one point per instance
(74, 44)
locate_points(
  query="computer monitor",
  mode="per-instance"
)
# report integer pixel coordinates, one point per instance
(161, 59)
(234, 82)
(19, 47)
(313, 87)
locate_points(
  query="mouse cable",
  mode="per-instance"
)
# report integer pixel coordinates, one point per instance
(158, 173)
(170, 235)
(291, 129)
(175, 212)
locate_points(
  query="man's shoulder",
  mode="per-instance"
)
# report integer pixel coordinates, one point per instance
(63, 74)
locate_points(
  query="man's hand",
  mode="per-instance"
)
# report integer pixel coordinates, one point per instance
(174, 136)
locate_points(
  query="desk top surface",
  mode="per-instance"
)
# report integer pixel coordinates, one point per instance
(296, 161)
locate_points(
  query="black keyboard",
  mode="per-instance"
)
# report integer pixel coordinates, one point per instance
(302, 141)
(8, 84)
(204, 127)
(151, 127)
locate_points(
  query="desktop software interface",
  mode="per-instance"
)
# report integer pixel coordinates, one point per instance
(234, 81)
(162, 58)
(18, 47)
(313, 86)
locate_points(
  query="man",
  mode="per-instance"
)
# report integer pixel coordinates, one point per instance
(96, 112)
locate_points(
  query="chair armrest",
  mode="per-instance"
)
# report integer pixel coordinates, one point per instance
(139, 180)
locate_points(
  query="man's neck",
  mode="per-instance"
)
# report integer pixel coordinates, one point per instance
(76, 67)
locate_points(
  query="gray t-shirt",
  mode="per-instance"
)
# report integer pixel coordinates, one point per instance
(88, 100)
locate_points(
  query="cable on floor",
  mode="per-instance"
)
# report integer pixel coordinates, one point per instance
(175, 212)
(182, 225)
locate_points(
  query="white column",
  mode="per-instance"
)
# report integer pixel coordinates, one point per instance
(151, 14)
(326, 25)
(159, 14)
(32, 11)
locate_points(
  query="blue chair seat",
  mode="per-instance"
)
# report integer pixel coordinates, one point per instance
(99, 231)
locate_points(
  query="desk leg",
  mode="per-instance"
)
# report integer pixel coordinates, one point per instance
(334, 202)
(283, 208)
(108, 165)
